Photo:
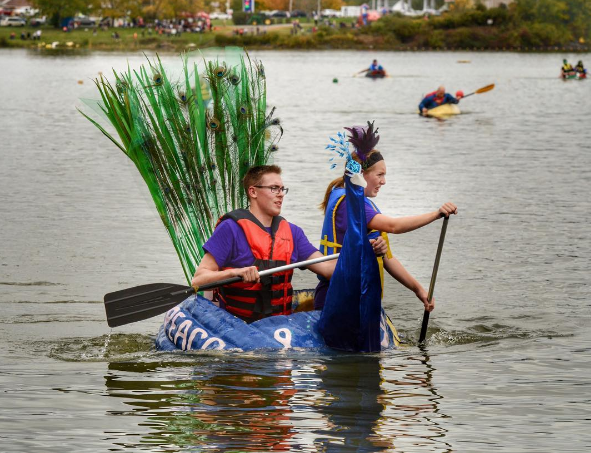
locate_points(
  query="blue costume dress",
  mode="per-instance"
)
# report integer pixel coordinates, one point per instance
(333, 231)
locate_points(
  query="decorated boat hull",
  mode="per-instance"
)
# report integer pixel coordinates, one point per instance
(198, 324)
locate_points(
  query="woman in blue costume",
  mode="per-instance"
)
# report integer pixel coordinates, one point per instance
(364, 139)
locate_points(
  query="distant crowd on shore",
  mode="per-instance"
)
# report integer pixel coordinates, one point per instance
(35, 36)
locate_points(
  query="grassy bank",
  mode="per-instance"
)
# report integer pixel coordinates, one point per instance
(495, 29)
(129, 39)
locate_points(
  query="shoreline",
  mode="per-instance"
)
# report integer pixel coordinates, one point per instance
(275, 37)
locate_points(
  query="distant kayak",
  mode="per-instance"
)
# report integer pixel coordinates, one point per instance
(444, 110)
(377, 74)
(573, 75)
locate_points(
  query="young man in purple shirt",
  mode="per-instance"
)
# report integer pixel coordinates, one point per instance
(245, 238)
(271, 241)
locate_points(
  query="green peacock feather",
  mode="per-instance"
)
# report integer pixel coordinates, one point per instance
(192, 136)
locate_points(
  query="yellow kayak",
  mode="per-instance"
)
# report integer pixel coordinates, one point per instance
(444, 110)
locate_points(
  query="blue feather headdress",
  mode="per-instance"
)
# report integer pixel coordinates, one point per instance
(364, 139)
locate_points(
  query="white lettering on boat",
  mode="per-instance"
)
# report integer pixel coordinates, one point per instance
(221, 343)
(182, 333)
(187, 331)
(180, 314)
(284, 339)
(169, 314)
(197, 330)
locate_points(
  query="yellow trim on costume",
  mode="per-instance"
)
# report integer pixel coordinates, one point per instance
(397, 340)
(326, 243)
(394, 331)
(334, 217)
(385, 237)
(380, 260)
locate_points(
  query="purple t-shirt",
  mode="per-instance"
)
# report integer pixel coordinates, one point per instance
(229, 247)
(341, 217)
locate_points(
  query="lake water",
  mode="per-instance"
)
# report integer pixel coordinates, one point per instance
(507, 364)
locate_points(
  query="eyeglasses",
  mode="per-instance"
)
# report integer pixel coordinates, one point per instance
(274, 189)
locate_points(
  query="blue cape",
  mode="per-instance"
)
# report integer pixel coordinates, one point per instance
(350, 319)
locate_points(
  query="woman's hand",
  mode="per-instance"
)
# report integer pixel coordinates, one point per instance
(380, 246)
(448, 209)
(422, 295)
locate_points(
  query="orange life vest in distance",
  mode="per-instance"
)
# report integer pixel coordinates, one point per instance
(437, 100)
(272, 295)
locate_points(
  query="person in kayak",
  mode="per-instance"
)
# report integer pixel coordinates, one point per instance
(335, 220)
(374, 67)
(580, 68)
(566, 68)
(248, 240)
(437, 98)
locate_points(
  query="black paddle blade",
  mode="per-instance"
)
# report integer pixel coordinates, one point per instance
(142, 302)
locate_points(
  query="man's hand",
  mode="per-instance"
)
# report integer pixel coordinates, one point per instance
(248, 274)
(425, 111)
(380, 246)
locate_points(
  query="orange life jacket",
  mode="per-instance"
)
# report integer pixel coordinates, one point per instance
(272, 296)
(436, 99)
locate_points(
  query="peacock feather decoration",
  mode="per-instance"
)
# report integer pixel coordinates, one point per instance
(192, 136)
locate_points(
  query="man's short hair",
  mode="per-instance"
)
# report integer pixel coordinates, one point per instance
(254, 175)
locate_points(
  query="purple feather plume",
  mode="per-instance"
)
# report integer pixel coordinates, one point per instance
(364, 139)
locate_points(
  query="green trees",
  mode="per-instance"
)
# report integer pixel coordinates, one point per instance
(56, 10)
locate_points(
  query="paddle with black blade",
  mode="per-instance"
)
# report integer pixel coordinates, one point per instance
(481, 90)
(433, 278)
(145, 301)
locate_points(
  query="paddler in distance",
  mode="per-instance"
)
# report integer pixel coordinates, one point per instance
(374, 67)
(437, 98)
(580, 69)
(566, 69)
(248, 240)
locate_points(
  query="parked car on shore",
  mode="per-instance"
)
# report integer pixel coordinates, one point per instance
(84, 22)
(13, 21)
(330, 13)
(297, 13)
(37, 21)
(278, 13)
(222, 16)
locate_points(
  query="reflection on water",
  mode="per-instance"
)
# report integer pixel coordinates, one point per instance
(341, 403)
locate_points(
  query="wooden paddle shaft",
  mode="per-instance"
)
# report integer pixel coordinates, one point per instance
(433, 278)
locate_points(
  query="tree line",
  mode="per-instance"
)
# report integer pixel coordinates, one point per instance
(150, 10)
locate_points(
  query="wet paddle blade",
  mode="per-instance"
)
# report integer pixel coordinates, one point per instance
(485, 89)
(143, 302)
